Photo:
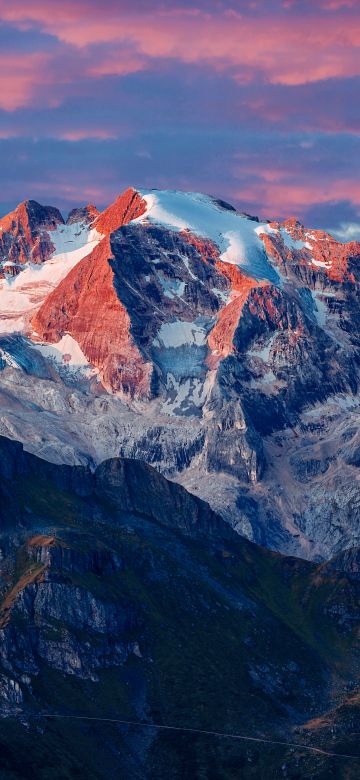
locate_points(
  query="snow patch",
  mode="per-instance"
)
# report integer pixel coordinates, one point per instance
(22, 295)
(66, 352)
(186, 395)
(236, 250)
(320, 309)
(68, 239)
(292, 243)
(8, 359)
(343, 401)
(266, 228)
(187, 266)
(320, 263)
(263, 352)
(224, 295)
(179, 333)
(171, 287)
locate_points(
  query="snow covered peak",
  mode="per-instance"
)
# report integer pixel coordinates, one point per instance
(236, 235)
(32, 216)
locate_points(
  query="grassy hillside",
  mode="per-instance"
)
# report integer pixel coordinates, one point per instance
(112, 612)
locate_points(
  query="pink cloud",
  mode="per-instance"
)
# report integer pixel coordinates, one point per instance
(279, 194)
(115, 63)
(46, 78)
(338, 5)
(291, 50)
(20, 74)
(332, 112)
(86, 134)
(79, 192)
(12, 132)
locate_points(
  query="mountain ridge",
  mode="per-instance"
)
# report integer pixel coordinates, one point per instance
(205, 342)
(119, 601)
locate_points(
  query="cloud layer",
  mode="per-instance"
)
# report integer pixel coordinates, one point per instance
(254, 101)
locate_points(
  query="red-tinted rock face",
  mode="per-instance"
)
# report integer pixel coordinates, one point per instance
(86, 306)
(336, 257)
(126, 207)
(221, 337)
(313, 248)
(25, 234)
(208, 251)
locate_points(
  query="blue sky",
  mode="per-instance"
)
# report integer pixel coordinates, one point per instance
(255, 102)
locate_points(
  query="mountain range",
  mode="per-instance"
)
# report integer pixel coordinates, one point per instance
(219, 348)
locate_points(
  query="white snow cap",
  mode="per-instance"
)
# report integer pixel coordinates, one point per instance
(236, 235)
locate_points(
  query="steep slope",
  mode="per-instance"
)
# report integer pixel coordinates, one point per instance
(85, 305)
(38, 249)
(221, 349)
(127, 207)
(124, 597)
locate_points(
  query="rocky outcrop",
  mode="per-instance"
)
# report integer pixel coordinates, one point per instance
(84, 214)
(346, 563)
(221, 337)
(53, 553)
(125, 208)
(135, 487)
(25, 234)
(72, 630)
(297, 249)
(131, 486)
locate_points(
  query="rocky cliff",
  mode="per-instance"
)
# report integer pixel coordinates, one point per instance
(25, 235)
